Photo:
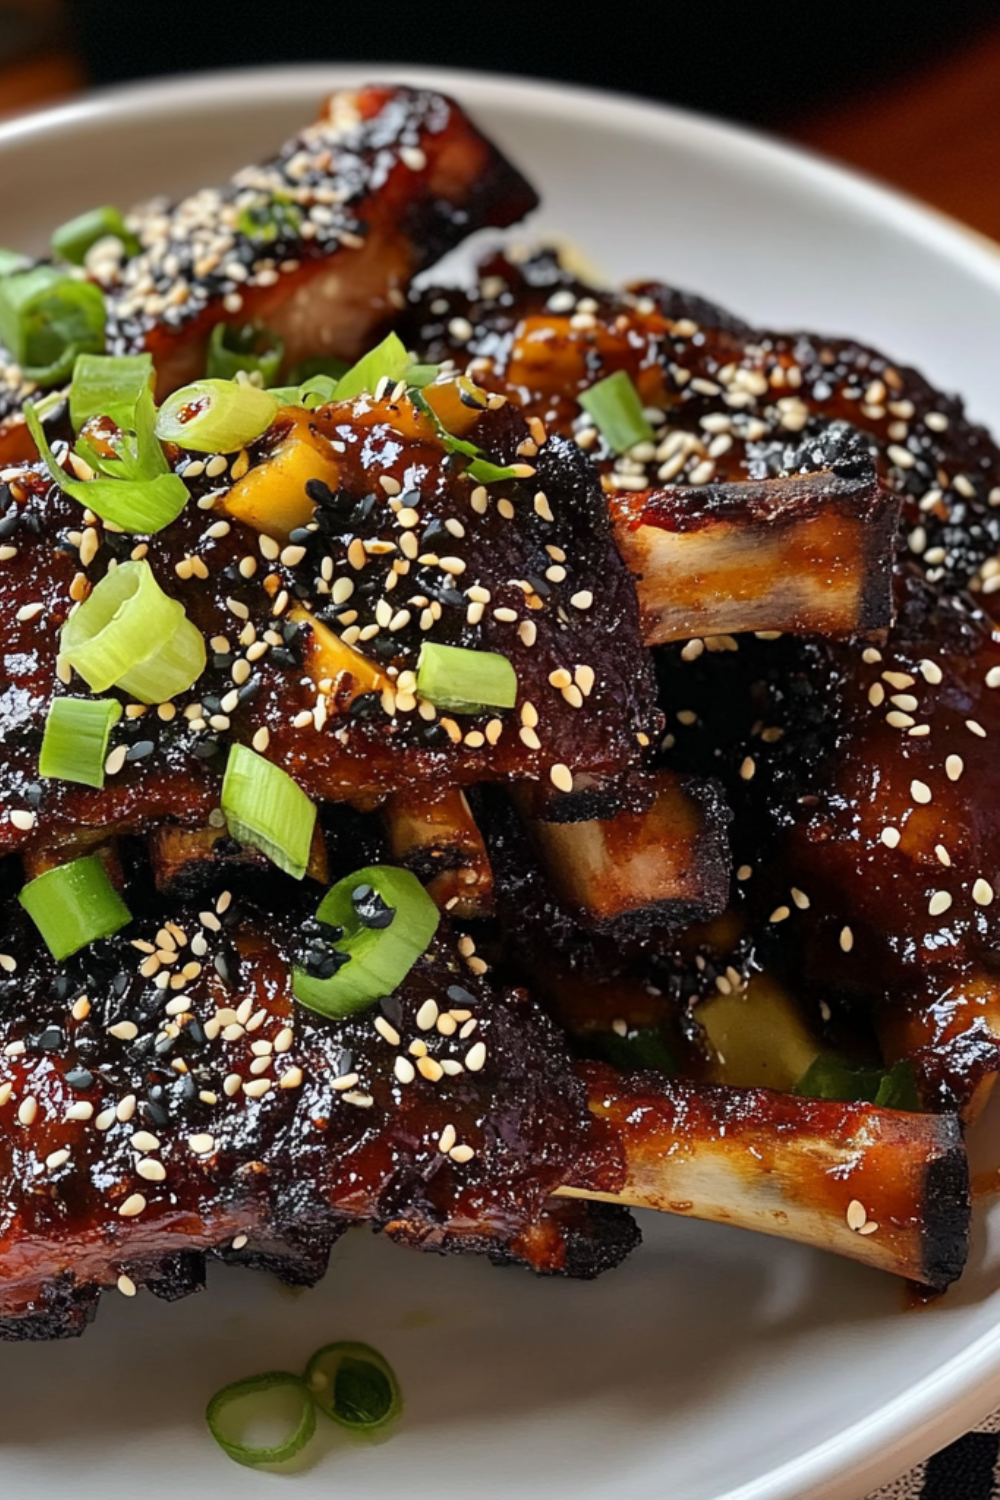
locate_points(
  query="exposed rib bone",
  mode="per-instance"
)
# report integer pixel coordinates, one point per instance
(437, 838)
(802, 1169)
(807, 554)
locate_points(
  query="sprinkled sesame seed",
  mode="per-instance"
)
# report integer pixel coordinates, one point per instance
(447, 1139)
(258, 1088)
(931, 672)
(993, 677)
(126, 1285)
(982, 892)
(429, 1068)
(954, 766)
(125, 1031)
(876, 695)
(890, 837)
(800, 898)
(291, 1079)
(152, 1171)
(748, 768)
(125, 1108)
(475, 1058)
(779, 914)
(105, 1119)
(23, 820)
(461, 1154)
(132, 1206)
(856, 1215)
(920, 792)
(56, 1159)
(846, 939)
(560, 775)
(975, 728)
(942, 855)
(939, 903)
(202, 1145)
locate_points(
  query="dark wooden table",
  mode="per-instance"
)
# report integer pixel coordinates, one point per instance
(936, 135)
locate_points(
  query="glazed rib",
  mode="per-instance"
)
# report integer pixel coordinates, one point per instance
(810, 554)
(888, 1189)
(319, 243)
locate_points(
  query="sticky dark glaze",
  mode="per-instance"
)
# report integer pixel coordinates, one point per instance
(363, 750)
(385, 182)
(290, 1169)
(772, 394)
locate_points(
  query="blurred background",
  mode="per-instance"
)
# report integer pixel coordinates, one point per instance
(908, 90)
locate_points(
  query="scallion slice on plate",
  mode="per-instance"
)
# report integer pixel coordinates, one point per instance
(616, 408)
(387, 921)
(215, 416)
(47, 318)
(355, 1386)
(465, 681)
(74, 905)
(75, 742)
(483, 472)
(266, 808)
(72, 240)
(276, 1398)
(130, 634)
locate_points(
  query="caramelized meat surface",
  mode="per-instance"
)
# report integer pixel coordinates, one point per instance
(400, 548)
(320, 243)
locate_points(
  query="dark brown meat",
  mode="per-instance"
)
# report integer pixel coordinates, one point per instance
(320, 243)
(404, 550)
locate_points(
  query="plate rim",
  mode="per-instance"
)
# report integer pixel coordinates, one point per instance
(963, 1391)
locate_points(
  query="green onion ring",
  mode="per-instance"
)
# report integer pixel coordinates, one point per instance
(255, 1385)
(355, 1386)
(130, 634)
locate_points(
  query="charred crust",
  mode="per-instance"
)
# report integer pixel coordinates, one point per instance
(947, 1210)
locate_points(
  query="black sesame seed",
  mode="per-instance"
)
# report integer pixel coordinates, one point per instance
(78, 1078)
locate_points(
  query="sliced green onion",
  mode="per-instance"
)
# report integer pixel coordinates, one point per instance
(74, 905)
(465, 681)
(275, 1397)
(486, 473)
(419, 376)
(355, 1386)
(616, 408)
(248, 346)
(832, 1077)
(269, 219)
(46, 319)
(266, 808)
(141, 506)
(109, 385)
(449, 442)
(215, 416)
(11, 261)
(387, 360)
(129, 634)
(72, 240)
(315, 391)
(380, 956)
(75, 742)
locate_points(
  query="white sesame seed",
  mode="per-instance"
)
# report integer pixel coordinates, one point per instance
(56, 1159)
(560, 775)
(942, 855)
(133, 1205)
(920, 792)
(975, 728)
(79, 1111)
(27, 1110)
(846, 939)
(404, 1069)
(202, 1145)
(461, 1154)
(939, 903)
(291, 1078)
(258, 1088)
(144, 1140)
(125, 1031)
(982, 892)
(475, 1058)
(126, 1285)
(856, 1215)
(386, 1031)
(954, 766)
(931, 672)
(105, 1119)
(447, 1139)
(151, 1170)
(780, 914)
(993, 677)
(427, 1015)
(890, 837)
(240, 1241)
(748, 768)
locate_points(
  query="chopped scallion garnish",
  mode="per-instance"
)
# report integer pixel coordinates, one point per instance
(386, 921)
(75, 742)
(215, 416)
(616, 408)
(11, 261)
(269, 219)
(129, 634)
(355, 1386)
(73, 905)
(72, 240)
(465, 681)
(46, 319)
(109, 385)
(266, 808)
(248, 346)
(484, 472)
(388, 360)
(275, 1398)
(135, 490)
(831, 1077)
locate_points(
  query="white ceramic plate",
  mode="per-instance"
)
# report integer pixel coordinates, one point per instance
(715, 1365)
